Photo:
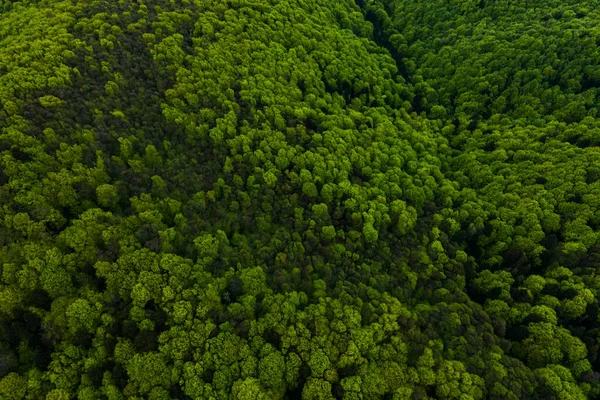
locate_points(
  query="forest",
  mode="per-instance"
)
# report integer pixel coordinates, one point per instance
(299, 199)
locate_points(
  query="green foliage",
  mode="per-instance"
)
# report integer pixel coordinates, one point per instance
(50, 101)
(13, 386)
(271, 370)
(262, 200)
(107, 195)
(249, 388)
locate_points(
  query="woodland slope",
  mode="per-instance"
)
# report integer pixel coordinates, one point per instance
(299, 199)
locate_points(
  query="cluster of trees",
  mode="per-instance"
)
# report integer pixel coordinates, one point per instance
(534, 62)
(289, 199)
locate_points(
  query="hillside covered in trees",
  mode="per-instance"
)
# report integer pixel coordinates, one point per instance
(299, 199)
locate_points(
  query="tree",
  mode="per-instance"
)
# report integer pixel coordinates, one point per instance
(271, 371)
(248, 388)
(13, 386)
(146, 371)
(107, 195)
(316, 389)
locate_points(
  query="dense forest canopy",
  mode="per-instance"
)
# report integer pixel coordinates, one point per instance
(299, 199)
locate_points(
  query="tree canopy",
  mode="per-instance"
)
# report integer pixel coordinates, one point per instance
(257, 199)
